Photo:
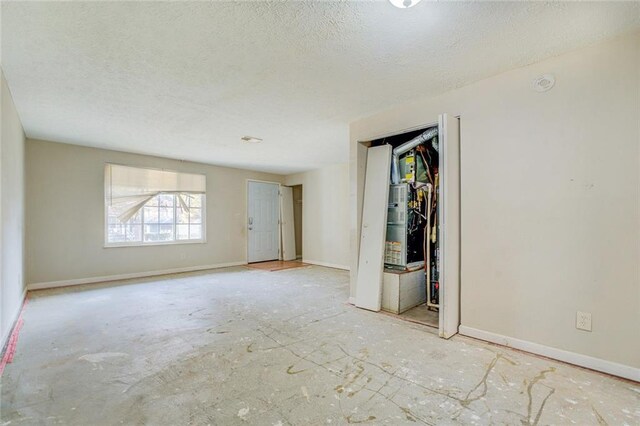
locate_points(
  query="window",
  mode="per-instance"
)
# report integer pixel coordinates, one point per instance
(147, 206)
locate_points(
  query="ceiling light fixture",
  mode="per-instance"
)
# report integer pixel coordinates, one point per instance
(404, 4)
(251, 139)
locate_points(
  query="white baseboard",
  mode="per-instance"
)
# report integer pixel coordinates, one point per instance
(352, 301)
(586, 361)
(328, 265)
(106, 278)
(14, 320)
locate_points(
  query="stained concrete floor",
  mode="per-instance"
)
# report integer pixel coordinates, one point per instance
(241, 346)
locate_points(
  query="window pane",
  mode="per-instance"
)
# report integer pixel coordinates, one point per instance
(195, 200)
(195, 232)
(166, 215)
(165, 233)
(152, 202)
(115, 233)
(150, 233)
(150, 215)
(182, 232)
(134, 233)
(165, 200)
(183, 216)
(137, 218)
(196, 215)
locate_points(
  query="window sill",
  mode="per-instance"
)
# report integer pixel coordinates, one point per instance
(164, 243)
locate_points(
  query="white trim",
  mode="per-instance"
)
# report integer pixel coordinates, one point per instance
(157, 243)
(326, 264)
(5, 339)
(264, 181)
(106, 278)
(399, 132)
(598, 364)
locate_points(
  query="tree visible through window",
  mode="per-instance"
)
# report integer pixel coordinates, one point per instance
(148, 206)
(162, 219)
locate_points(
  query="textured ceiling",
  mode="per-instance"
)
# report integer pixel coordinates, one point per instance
(188, 79)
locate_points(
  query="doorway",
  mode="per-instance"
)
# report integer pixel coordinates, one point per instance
(297, 218)
(263, 216)
(290, 222)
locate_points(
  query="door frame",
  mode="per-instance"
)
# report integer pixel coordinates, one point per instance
(299, 182)
(283, 221)
(449, 318)
(246, 217)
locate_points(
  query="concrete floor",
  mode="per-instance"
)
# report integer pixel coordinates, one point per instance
(422, 314)
(241, 346)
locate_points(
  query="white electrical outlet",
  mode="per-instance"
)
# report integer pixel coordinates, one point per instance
(583, 321)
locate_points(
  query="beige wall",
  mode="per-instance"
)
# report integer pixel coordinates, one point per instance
(550, 198)
(11, 214)
(325, 214)
(65, 216)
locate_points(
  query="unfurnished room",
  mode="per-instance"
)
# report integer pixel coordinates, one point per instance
(319, 213)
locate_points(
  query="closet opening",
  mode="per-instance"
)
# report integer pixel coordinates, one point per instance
(411, 285)
(409, 251)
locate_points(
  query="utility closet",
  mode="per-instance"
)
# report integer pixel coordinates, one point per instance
(409, 248)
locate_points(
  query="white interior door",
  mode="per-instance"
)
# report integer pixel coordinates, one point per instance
(287, 223)
(263, 214)
(374, 228)
(449, 218)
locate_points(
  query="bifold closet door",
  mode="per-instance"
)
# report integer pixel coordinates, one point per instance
(374, 228)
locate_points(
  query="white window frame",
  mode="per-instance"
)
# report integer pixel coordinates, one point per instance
(142, 243)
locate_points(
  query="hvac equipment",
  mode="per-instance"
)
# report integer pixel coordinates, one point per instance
(412, 238)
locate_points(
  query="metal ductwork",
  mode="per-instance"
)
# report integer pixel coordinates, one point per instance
(407, 146)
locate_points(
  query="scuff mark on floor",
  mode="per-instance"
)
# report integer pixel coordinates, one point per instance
(599, 418)
(351, 420)
(409, 416)
(290, 370)
(540, 376)
(483, 381)
(242, 413)
(305, 393)
(102, 356)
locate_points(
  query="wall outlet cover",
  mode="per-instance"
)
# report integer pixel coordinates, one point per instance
(583, 321)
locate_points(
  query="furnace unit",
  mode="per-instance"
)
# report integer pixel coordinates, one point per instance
(398, 253)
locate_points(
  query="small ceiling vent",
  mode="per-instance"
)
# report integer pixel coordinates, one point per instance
(544, 83)
(251, 139)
